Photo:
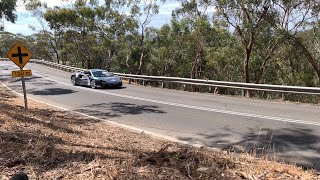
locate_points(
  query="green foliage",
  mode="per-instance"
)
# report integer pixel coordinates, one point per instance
(7, 11)
(273, 42)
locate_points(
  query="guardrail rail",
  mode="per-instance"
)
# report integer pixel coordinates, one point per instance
(199, 82)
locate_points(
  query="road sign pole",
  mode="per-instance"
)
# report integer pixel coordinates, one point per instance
(20, 56)
(24, 94)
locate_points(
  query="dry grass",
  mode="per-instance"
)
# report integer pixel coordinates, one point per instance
(50, 144)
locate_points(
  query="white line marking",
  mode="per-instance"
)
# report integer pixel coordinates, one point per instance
(286, 120)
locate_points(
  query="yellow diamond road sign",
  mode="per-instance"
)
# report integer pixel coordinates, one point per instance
(19, 55)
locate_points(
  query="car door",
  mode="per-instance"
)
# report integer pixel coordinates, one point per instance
(86, 78)
(83, 79)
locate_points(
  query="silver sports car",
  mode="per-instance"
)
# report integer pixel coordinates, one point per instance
(96, 78)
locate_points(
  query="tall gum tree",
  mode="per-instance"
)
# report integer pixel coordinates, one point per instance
(80, 22)
(196, 12)
(142, 12)
(294, 17)
(38, 9)
(246, 17)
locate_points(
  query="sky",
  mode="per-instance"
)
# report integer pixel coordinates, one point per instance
(25, 19)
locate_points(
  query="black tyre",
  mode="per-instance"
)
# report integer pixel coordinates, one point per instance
(73, 80)
(93, 84)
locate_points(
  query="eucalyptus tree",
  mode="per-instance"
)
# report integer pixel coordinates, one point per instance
(197, 14)
(293, 19)
(212, 51)
(164, 56)
(142, 12)
(80, 23)
(7, 11)
(53, 38)
(247, 18)
(224, 55)
(7, 39)
(93, 31)
(40, 47)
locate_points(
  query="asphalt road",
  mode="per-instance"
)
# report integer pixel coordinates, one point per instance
(286, 131)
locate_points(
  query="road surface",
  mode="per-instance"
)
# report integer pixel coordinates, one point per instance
(287, 131)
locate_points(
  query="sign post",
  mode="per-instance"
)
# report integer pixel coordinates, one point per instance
(24, 93)
(20, 56)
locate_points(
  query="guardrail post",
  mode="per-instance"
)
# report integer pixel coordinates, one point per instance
(129, 81)
(143, 82)
(210, 89)
(243, 93)
(283, 97)
(215, 90)
(162, 84)
(184, 87)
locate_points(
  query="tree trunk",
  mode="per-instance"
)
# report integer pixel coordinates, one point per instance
(127, 63)
(53, 47)
(141, 62)
(82, 64)
(89, 66)
(292, 68)
(246, 70)
(194, 71)
(57, 55)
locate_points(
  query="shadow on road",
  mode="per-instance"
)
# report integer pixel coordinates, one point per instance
(47, 83)
(5, 77)
(52, 91)
(283, 144)
(116, 109)
(115, 88)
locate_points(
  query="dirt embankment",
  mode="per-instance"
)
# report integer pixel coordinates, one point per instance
(50, 144)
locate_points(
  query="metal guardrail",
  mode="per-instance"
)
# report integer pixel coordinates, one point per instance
(200, 82)
(4, 59)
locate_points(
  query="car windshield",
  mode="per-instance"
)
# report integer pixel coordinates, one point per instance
(101, 74)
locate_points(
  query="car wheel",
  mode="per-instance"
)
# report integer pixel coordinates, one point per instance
(73, 80)
(93, 84)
